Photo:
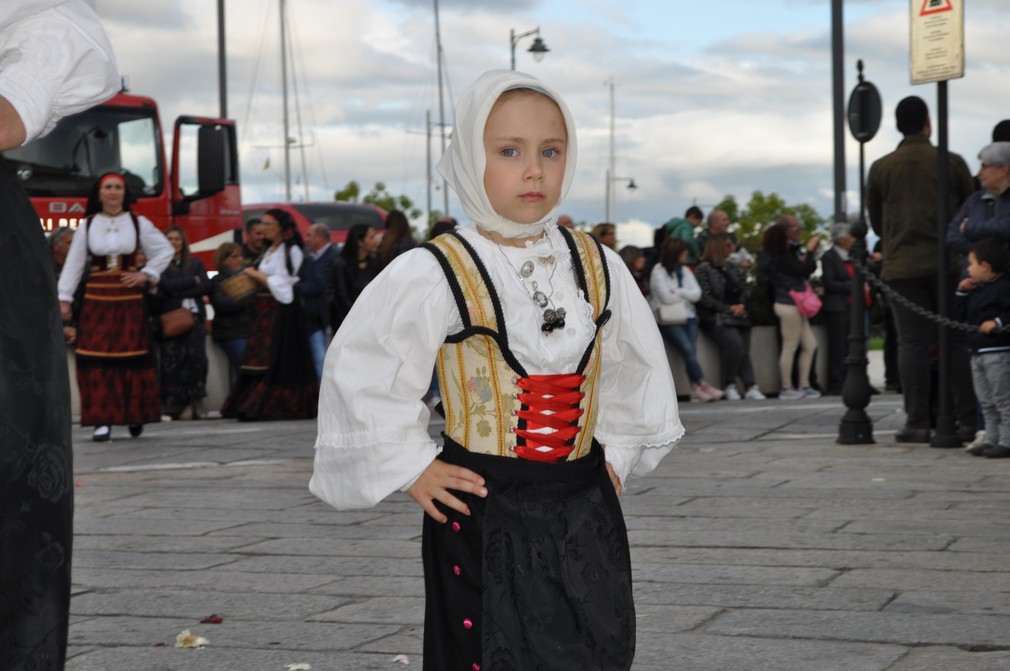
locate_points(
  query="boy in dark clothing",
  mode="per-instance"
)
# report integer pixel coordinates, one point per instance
(984, 299)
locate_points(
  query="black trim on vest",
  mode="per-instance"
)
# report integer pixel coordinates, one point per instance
(580, 278)
(500, 336)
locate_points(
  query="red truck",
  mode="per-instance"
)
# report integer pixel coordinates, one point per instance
(198, 191)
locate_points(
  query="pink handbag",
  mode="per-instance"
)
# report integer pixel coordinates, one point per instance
(807, 302)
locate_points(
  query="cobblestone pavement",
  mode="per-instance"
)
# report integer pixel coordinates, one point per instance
(759, 544)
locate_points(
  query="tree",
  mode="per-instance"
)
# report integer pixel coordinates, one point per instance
(378, 196)
(761, 211)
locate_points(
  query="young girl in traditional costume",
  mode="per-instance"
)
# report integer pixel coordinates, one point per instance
(555, 385)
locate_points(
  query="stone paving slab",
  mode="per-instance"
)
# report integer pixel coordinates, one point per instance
(281, 583)
(200, 603)
(697, 652)
(837, 559)
(233, 659)
(761, 596)
(887, 627)
(951, 659)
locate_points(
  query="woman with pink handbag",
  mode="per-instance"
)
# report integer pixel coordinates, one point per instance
(788, 265)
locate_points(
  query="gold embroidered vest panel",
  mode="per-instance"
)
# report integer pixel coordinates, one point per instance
(477, 371)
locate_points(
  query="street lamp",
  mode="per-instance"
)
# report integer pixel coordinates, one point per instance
(539, 49)
(610, 180)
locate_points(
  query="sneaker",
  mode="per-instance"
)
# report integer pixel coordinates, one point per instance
(979, 440)
(713, 393)
(732, 394)
(101, 433)
(791, 394)
(810, 392)
(998, 452)
(979, 450)
(754, 394)
(698, 394)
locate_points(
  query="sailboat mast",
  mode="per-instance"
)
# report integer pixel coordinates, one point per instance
(441, 107)
(284, 87)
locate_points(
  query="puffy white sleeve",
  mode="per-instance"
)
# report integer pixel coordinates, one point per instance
(372, 424)
(55, 60)
(73, 265)
(280, 282)
(157, 248)
(638, 422)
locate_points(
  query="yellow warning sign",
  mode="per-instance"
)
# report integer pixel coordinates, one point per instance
(937, 40)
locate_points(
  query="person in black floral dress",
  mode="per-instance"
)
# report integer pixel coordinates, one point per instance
(64, 52)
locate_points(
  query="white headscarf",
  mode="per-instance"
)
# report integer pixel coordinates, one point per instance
(464, 161)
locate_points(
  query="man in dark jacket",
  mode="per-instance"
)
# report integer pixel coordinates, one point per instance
(314, 287)
(902, 202)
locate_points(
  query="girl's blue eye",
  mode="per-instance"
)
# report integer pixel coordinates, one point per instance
(549, 153)
(508, 152)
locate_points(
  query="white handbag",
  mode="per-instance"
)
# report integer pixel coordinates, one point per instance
(672, 314)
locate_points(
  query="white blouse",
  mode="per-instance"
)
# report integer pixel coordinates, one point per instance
(664, 289)
(372, 435)
(280, 282)
(114, 235)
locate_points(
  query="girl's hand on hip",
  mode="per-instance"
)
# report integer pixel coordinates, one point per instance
(435, 483)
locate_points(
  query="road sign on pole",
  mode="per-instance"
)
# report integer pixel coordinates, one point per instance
(937, 40)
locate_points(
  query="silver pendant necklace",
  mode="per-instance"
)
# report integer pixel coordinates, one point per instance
(554, 318)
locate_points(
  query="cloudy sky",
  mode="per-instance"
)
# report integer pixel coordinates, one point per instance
(710, 99)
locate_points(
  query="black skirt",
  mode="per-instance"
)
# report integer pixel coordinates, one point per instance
(36, 460)
(537, 577)
(277, 379)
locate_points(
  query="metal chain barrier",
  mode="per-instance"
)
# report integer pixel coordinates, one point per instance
(915, 307)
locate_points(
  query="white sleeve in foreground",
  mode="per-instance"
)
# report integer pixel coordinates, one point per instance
(638, 421)
(55, 62)
(373, 426)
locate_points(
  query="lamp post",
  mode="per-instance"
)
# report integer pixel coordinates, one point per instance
(611, 178)
(610, 201)
(539, 49)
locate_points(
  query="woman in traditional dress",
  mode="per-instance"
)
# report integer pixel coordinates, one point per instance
(555, 386)
(277, 379)
(116, 369)
(184, 357)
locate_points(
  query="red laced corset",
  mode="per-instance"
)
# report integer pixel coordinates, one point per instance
(558, 395)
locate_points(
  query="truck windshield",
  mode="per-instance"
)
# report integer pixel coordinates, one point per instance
(83, 146)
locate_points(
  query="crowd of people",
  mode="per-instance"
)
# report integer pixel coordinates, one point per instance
(700, 278)
(137, 308)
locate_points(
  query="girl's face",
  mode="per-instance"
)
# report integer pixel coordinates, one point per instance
(176, 239)
(111, 194)
(525, 142)
(682, 259)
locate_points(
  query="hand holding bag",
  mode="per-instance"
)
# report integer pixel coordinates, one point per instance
(671, 314)
(177, 322)
(807, 302)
